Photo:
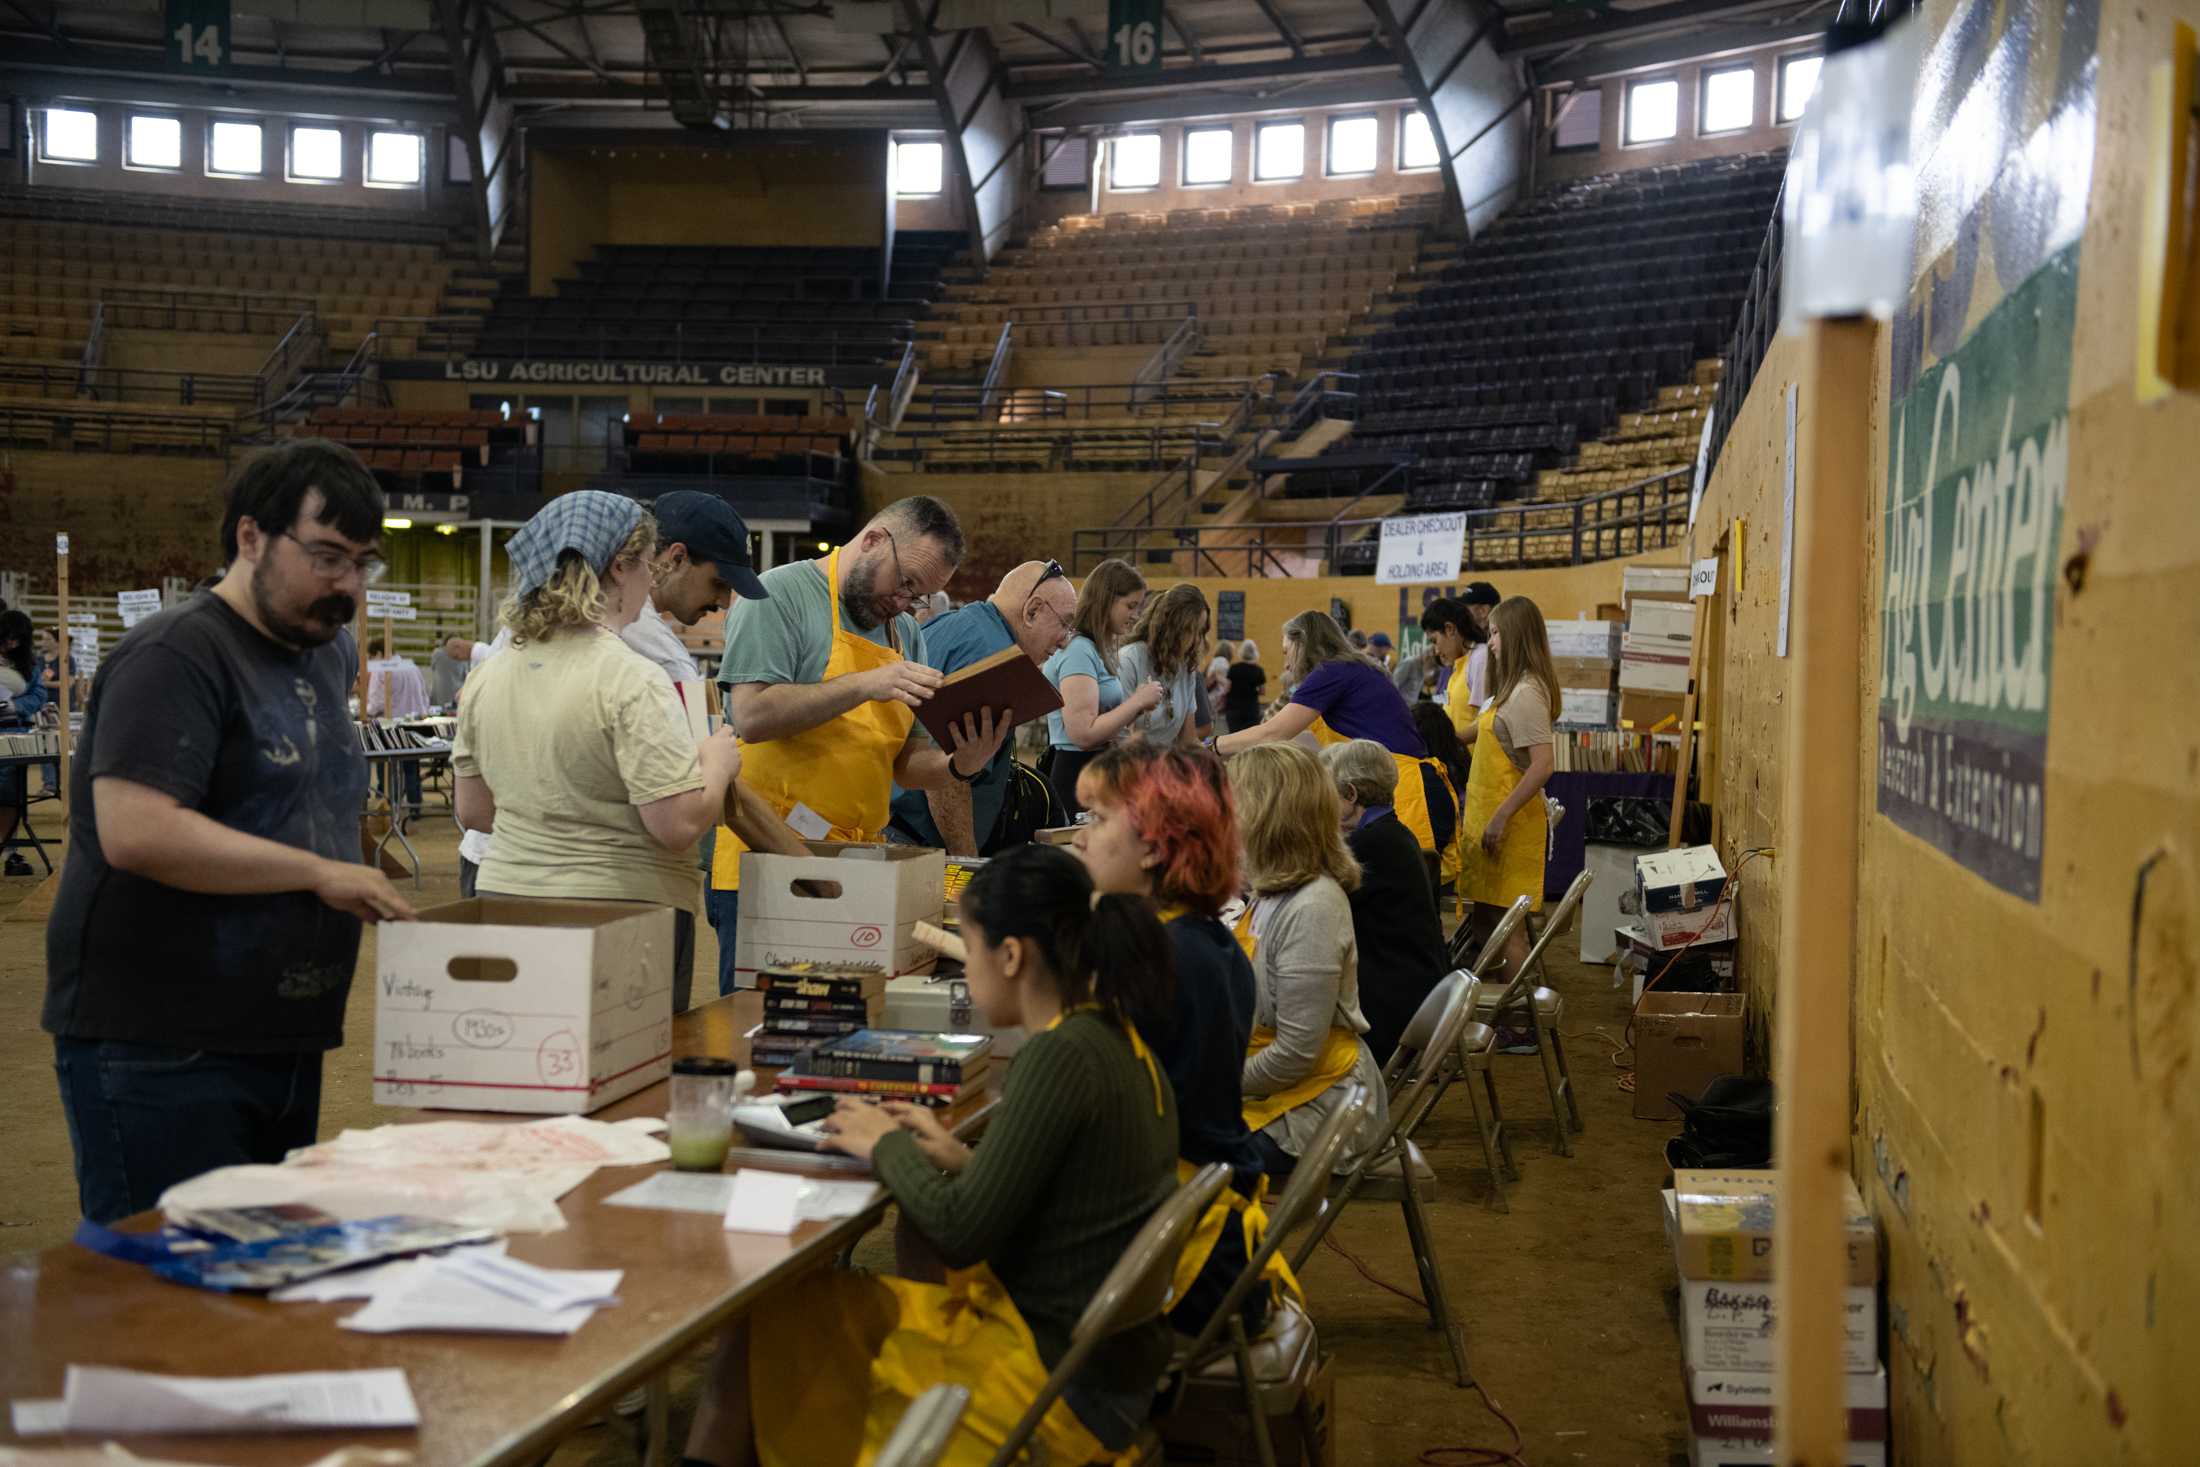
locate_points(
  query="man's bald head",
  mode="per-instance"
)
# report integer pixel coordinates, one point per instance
(1039, 605)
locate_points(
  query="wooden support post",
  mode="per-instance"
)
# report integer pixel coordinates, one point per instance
(1817, 865)
(1688, 723)
(68, 648)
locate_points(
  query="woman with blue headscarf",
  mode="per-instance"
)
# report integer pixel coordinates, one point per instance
(572, 746)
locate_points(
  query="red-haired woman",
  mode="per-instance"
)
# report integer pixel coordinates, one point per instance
(1161, 826)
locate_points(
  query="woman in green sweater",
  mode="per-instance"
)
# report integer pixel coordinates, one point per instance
(1080, 1151)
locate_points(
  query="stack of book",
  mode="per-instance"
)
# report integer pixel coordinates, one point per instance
(807, 1003)
(393, 738)
(32, 742)
(1721, 1225)
(950, 1072)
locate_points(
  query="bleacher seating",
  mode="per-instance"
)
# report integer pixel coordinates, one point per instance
(774, 445)
(412, 444)
(800, 306)
(29, 422)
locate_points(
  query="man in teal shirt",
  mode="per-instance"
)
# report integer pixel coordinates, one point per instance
(1032, 609)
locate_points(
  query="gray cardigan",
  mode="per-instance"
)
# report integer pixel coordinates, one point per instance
(1307, 981)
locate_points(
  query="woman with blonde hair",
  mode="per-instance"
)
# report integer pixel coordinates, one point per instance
(1505, 823)
(1095, 708)
(1167, 645)
(1308, 1043)
(1338, 694)
(574, 750)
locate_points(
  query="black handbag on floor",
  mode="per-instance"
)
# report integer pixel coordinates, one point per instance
(1729, 1125)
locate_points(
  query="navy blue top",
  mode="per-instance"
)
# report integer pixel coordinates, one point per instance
(1204, 1053)
(953, 642)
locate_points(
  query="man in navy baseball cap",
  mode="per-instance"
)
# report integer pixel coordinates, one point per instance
(702, 565)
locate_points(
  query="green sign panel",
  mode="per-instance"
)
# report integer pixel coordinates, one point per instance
(1978, 469)
(1134, 36)
(198, 33)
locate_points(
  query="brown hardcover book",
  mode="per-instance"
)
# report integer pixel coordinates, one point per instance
(1008, 679)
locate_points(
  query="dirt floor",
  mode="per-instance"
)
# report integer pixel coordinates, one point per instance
(1567, 1298)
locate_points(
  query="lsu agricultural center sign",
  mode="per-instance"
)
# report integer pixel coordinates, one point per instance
(544, 372)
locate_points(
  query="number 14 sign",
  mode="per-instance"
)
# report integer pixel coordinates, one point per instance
(198, 33)
(1134, 36)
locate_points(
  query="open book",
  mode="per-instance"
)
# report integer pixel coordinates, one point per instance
(1008, 679)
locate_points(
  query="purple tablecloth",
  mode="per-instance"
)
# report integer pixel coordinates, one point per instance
(1574, 791)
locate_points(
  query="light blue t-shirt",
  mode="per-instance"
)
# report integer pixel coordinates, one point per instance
(1183, 697)
(1079, 659)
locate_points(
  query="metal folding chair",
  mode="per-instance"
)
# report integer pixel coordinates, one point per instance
(1273, 1374)
(1494, 945)
(1393, 1169)
(1136, 1289)
(921, 1437)
(1543, 1011)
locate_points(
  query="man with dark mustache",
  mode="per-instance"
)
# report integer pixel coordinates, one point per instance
(203, 939)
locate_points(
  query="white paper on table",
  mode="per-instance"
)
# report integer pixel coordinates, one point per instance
(678, 1192)
(520, 1200)
(492, 1145)
(113, 1454)
(98, 1398)
(764, 1202)
(538, 1288)
(823, 1200)
(441, 1295)
(361, 1283)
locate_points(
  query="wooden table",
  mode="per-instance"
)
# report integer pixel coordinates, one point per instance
(484, 1399)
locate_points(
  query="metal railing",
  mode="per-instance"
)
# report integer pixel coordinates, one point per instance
(796, 343)
(1162, 365)
(360, 373)
(105, 429)
(1003, 348)
(128, 384)
(904, 386)
(95, 345)
(164, 308)
(1754, 328)
(1058, 447)
(1648, 515)
(1215, 397)
(303, 343)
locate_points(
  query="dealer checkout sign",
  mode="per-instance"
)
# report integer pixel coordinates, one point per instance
(1978, 472)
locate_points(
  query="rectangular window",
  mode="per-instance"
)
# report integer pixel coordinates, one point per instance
(1579, 126)
(920, 168)
(1208, 154)
(70, 136)
(1352, 144)
(153, 142)
(1729, 102)
(1798, 80)
(394, 159)
(317, 153)
(1416, 142)
(234, 147)
(1653, 111)
(1069, 162)
(1279, 151)
(1134, 161)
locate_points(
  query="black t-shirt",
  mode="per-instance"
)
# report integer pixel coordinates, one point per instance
(1241, 705)
(1205, 1053)
(1400, 934)
(197, 704)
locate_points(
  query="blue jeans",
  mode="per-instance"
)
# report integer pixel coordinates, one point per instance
(724, 909)
(143, 1117)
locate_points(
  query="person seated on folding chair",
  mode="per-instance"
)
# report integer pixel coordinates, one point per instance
(1162, 827)
(1078, 1153)
(1308, 1043)
(1394, 921)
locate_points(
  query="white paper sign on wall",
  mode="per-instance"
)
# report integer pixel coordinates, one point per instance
(135, 606)
(1703, 578)
(389, 598)
(1418, 549)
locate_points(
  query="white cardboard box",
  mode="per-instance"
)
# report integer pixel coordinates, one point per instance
(884, 891)
(500, 1003)
(1736, 1405)
(942, 1005)
(1587, 708)
(1746, 1453)
(1661, 621)
(1678, 894)
(1729, 1326)
(1654, 672)
(1584, 638)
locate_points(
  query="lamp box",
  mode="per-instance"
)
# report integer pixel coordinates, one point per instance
(501, 1003)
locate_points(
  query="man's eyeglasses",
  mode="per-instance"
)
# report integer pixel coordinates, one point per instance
(907, 590)
(330, 564)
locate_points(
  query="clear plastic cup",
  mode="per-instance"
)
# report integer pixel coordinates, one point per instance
(699, 1122)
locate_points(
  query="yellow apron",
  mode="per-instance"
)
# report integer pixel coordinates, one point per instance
(1340, 1053)
(1232, 1202)
(1517, 868)
(843, 769)
(1410, 804)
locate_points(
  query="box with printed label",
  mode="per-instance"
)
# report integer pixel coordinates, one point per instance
(501, 1003)
(1583, 639)
(847, 902)
(1742, 1452)
(938, 1004)
(1654, 672)
(1678, 894)
(1725, 1226)
(1730, 1326)
(1736, 1405)
(1661, 621)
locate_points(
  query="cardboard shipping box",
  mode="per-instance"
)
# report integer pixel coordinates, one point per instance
(1647, 710)
(848, 902)
(1724, 1226)
(1583, 640)
(499, 1003)
(1733, 1326)
(1684, 1041)
(1650, 622)
(1743, 1452)
(1736, 1405)
(1680, 896)
(936, 1004)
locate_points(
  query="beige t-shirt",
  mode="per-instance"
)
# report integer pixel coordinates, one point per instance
(573, 736)
(1523, 722)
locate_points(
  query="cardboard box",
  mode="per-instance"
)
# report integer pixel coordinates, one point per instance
(1709, 966)
(1736, 1405)
(1684, 1041)
(1586, 672)
(1680, 895)
(1742, 1452)
(500, 1003)
(1666, 581)
(1583, 639)
(883, 892)
(1724, 1228)
(1732, 1326)
(1587, 708)
(941, 1005)
(1661, 621)
(1654, 671)
(1646, 710)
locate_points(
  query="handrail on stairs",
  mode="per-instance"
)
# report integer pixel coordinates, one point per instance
(1003, 347)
